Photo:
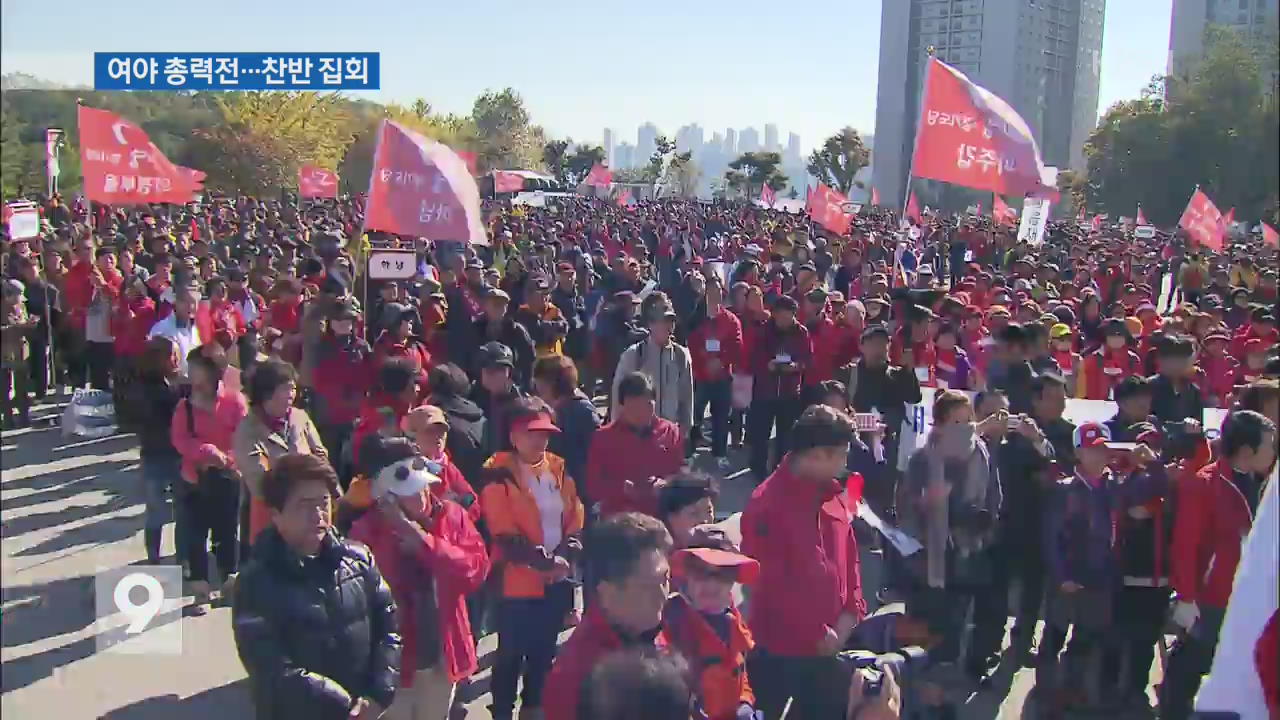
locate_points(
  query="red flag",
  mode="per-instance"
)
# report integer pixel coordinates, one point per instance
(899, 271)
(1080, 215)
(469, 158)
(1142, 219)
(421, 187)
(768, 196)
(979, 208)
(317, 182)
(1229, 218)
(1001, 212)
(1097, 223)
(600, 176)
(507, 182)
(969, 136)
(193, 180)
(875, 197)
(1270, 236)
(121, 166)
(913, 209)
(624, 198)
(1203, 221)
(826, 207)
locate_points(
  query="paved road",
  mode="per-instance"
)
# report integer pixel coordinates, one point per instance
(69, 509)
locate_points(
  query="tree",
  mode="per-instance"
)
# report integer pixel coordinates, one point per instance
(555, 157)
(505, 137)
(579, 163)
(1216, 128)
(759, 169)
(683, 175)
(736, 181)
(837, 162)
(662, 150)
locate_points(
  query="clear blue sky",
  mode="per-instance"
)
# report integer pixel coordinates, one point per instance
(581, 65)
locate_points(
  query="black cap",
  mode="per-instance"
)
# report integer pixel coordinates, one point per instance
(1115, 326)
(785, 302)
(493, 354)
(873, 331)
(539, 284)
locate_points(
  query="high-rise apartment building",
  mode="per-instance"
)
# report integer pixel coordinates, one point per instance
(1043, 57)
(646, 138)
(1191, 18)
(771, 138)
(793, 146)
(730, 143)
(624, 156)
(748, 140)
(609, 136)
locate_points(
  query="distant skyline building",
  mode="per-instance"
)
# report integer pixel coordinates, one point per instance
(1044, 58)
(731, 143)
(608, 146)
(1191, 18)
(771, 138)
(624, 156)
(793, 146)
(646, 140)
(748, 140)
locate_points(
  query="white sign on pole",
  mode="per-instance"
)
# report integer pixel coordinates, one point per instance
(532, 199)
(392, 265)
(24, 224)
(1035, 218)
(1145, 231)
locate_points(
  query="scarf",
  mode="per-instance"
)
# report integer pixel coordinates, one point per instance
(955, 459)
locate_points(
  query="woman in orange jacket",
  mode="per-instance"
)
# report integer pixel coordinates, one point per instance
(535, 517)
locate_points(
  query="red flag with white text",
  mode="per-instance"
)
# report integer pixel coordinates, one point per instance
(121, 166)
(826, 207)
(193, 180)
(1270, 236)
(1141, 219)
(317, 182)
(470, 159)
(421, 187)
(875, 197)
(600, 176)
(1203, 221)
(1001, 212)
(969, 136)
(768, 196)
(913, 209)
(507, 182)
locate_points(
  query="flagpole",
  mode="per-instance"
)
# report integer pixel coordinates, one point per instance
(915, 141)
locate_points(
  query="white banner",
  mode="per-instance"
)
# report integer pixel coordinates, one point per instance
(392, 265)
(24, 222)
(532, 199)
(1035, 218)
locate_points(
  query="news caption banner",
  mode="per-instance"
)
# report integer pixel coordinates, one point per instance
(236, 71)
(138, 610)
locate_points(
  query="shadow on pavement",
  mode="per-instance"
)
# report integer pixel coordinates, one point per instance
(227, 701)
(102, 532)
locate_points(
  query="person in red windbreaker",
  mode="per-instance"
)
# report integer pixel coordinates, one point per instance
(835, 342)
(1102, 370)
(778, 361)
(1219, 369)
(397, 340)
(342, 377)
(716, 350)
(1261, 326)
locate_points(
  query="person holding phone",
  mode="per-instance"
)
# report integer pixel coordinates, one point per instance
(782, 352)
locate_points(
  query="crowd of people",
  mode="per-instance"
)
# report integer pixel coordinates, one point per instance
(385, 471)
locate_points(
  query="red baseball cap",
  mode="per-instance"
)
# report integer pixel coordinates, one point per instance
(535, 423)
(1091, 435)
(748, 569)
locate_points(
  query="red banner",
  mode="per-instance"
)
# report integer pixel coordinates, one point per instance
(470, 159)
(600, 176)
(825, 206)
(317, 182)
(121, 166)
(969, 136)
(875, 197)
(1203, 221)
(1001, 212)
(768, 196)
(1141, 219)
(507, 182)
(1270, 236)
(420, 187)
(913, 209)
(625, 199)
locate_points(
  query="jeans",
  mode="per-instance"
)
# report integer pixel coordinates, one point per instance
(213, 514)
(527, 632)
(1189, 662)
(764, 415)
(719, 394)
(817, 686)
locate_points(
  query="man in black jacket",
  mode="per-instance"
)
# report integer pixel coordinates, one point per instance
(1174, 397)
(314, 621)
(497, 325)
(449, 387)
(874, 384)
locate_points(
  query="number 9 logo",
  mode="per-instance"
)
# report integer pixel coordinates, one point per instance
(139, 615)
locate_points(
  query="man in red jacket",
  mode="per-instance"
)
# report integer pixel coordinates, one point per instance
(632, 451)
(779, 361)
(809, 598)
(1215, 513)
(715, 345)
(626, 561)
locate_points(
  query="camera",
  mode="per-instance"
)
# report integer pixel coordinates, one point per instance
(1178, 443)
(902, 661)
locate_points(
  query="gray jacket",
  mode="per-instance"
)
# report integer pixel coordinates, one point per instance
(671, 372)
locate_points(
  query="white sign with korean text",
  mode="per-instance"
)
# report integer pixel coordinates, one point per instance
(1035, 218)
(392, 265)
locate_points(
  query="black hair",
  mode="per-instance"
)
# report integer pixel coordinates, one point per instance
(448, 380)
(633, 385)
(1179, 346)
(684, 489)
(1132, 386)
(1043, 381)
(396, 375)
(981, 398)
(820, 426)
(266, 378)
(639, 684)
(615, 544)
(1244, 429)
